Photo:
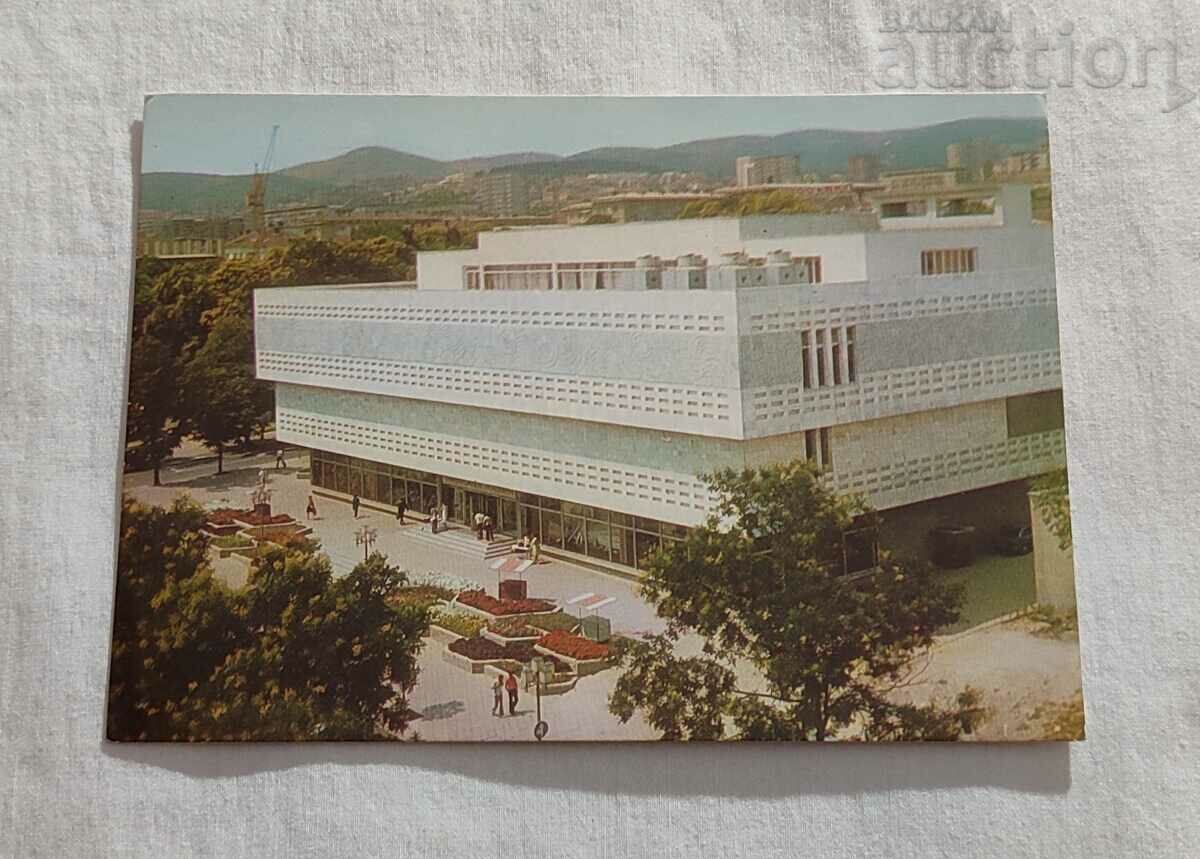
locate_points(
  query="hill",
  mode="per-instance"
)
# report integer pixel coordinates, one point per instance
(205, 193)
(349, 176)
(366, 163)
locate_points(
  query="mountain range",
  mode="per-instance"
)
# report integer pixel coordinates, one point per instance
(822, 151)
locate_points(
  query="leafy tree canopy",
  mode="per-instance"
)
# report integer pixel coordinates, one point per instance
(786, 645)
(294, 655)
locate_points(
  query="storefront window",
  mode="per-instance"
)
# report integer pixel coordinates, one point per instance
(529, 521)
(622, 519)
(508, 518)
(647, 545)
(414, 495)
(552, 529)
(676, 531)
(429, 497)
(651, 525)
(584, 511)
(622, 546)
(369, 488)
(598, 538)
(355, 481)
(343, 478)
(574, 539)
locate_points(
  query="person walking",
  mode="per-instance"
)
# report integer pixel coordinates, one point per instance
(479, 525)
(310, 512)
(280, 462)
(444, 515)
(498, 697)
(400, 510)
(354, 503)
(535, 548)
(433, 518)
(489, 529)
(511, 685)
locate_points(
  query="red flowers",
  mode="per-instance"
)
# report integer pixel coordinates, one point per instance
(574, 646)
(503, 608)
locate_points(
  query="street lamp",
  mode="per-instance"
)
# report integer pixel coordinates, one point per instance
(543, 670)
(365, 537)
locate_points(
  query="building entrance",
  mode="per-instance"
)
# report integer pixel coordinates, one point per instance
(502, 510)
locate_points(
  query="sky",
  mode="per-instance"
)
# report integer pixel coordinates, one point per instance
(229, 133)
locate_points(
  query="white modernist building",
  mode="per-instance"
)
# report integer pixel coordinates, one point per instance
(577, 381)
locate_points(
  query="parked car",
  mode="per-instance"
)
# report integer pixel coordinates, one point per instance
(952, 546)
(1013, 541)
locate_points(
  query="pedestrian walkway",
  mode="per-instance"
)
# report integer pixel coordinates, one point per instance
(411, 546)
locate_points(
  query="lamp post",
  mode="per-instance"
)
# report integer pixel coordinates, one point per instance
(365, 537)
(540, 668)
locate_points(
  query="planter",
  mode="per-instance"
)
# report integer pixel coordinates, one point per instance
(213, 529)
(471, 666)
(440, 633)
(581, 667)
(497, 637)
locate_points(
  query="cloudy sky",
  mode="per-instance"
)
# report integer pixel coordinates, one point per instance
(229, 133)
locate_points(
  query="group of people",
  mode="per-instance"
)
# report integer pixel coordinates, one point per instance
(531, 544)
(508, 684)
(485, 528)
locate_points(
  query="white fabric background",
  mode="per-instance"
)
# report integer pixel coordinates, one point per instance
(72, 78)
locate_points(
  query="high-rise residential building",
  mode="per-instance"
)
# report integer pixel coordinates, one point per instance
(767, 170)
(974, 158)
(862, 168)
(503, 194)
(576, 382)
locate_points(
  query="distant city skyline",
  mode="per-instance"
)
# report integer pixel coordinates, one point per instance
(228, 134)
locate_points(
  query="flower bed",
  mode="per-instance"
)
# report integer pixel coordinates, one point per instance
(227, 516)
(288, 539)
(481, 649)
(573, 646)
(478, 599)
(231, 541)
(249, 517)
(460, 624)
(452, 584)
(556, 621)
(512, 629)
(422, 596)
(287, 535)
(478, 649)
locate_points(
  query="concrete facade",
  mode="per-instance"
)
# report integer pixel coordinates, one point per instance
(611, 365)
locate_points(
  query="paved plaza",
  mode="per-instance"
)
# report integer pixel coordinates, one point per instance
(454, 704)
(1015, 669)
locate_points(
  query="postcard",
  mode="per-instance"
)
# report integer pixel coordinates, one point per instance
(595, 418)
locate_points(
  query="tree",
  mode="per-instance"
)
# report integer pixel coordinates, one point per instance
(172, 622)
(296, 654)
(225, 400)
(778, 202)
(169, 309)
(763, 584)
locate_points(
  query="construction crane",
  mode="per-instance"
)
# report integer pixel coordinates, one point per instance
(256, 221)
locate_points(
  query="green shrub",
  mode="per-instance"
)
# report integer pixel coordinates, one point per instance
(559, 621)
(422, 596)
(462, 624)
(1049, 622)
(231, 541)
